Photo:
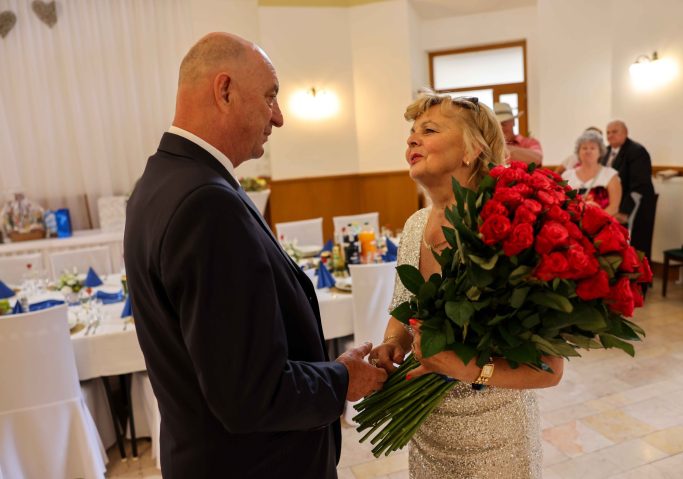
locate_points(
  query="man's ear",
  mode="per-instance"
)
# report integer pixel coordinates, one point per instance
(222, 90)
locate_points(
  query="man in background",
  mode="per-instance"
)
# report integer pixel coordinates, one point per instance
(229, 325)
(638, 203)
(521, 148)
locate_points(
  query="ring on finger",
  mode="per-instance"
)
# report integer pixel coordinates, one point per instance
(373, 361)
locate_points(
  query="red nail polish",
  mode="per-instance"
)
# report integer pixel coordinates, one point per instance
(412, 322)
(408, 378)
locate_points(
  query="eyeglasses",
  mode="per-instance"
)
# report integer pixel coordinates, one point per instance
(469, 102)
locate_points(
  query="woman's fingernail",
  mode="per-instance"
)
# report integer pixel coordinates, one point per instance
(412, 322)
(408, 378)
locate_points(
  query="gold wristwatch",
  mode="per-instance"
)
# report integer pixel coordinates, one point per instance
(485, 375)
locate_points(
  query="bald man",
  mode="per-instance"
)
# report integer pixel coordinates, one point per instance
(637, 207)
(228, 324)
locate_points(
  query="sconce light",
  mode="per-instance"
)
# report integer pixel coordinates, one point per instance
(648, 73)
(314, 104)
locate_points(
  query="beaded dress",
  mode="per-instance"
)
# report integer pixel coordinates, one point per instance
(492, 433)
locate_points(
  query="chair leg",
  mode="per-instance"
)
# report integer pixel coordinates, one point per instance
(127, 381)
(117, 426)
(665, 275)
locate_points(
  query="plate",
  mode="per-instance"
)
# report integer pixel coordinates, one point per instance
(343, 284)
(308, 251)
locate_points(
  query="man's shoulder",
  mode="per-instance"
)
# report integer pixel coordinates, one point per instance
(528, 142)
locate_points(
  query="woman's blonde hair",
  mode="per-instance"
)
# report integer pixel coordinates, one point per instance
(481, 130)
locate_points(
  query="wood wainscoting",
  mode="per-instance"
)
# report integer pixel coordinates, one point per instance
(393, 194)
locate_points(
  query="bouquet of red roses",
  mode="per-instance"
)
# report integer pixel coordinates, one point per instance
(531, 270)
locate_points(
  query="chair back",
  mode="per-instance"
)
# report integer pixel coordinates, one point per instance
(357, 221)
(373, 287)
(13, 269)
(37, 363)
(112, 212)
(305, 232)
(97, 258)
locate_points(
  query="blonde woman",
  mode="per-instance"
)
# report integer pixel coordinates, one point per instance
(495, 432)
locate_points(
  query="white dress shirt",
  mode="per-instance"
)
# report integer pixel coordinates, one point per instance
(224, 160)
(612, 155)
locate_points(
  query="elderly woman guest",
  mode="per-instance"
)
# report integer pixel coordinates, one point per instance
(597, 183)
(484, 434)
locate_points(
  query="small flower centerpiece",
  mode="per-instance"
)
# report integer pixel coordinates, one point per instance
(531, 270)
(69, 285)
(249, 183)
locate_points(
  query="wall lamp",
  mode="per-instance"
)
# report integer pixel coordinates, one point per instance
(314, 104)
(650, 72)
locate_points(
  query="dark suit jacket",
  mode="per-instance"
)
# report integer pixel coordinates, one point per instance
(229, 327)
(635, 172)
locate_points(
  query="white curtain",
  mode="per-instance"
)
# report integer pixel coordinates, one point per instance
(84, 103)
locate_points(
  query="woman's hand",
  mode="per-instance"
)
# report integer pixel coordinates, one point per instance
(386, 354)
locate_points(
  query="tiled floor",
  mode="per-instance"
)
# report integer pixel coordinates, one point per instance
(611, 416)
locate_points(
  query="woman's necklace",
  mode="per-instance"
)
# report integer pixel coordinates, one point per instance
(590, 186)
(432, 246)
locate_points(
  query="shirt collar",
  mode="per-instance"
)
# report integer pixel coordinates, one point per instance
(215, 152)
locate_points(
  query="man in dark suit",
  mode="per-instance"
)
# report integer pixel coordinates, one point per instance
(637, 207)
(228, 324)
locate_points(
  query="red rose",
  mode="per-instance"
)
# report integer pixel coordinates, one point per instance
(524, 215)
(594, 218)
(587, 246)
(495, 229)
(496, 171)
(559, 195)
(551, 266)
(645, 271)
(556, 213)
(539, 181)
(637, 292)
(549, 173)
(493, 207)
(611, 239)
(519, 165)
(574, 231)
(510, 175)
(546, 198)
(582, 265)
(520, 238)
(522, 189)
(630, 261)
(620, 297)
(552, 235)
(507, 196)
(533, 205)
(575, 209)
(595, 287)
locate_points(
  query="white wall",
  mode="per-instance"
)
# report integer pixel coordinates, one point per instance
(487, 28)
(654, 118)
(310, 47)
(382, 70)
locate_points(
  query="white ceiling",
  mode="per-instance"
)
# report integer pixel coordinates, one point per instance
(433, 9)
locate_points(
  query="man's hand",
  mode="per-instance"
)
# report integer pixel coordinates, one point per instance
(363, 377)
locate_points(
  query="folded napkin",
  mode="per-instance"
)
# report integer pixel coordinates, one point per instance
(127, 309)
(328, 246)
(109, 298)
(17, 309)
(91, 279)
(392, 251)
(48, 303)
(325, 278)
(5, 291)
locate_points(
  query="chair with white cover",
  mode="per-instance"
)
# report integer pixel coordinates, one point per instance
(45, 427)
(13, 269)
(357, 222)
(97, 258)
(305, 232)
(373, 287)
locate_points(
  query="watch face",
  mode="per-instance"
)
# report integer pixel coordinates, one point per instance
(487, 370)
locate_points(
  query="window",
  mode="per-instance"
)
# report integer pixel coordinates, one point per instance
(492, 73)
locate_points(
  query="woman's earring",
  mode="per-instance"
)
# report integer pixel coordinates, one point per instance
(467, 163)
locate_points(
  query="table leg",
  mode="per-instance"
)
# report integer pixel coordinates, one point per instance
(127, 383)
(117, 425)
(665, 275)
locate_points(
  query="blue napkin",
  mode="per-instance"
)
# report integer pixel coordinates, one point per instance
(328, 246)
(92, 280)
(17, 309)
(392, 251)
(325, 278)
(109, 298)
(5, 291)
(127, 309)
(48, 303)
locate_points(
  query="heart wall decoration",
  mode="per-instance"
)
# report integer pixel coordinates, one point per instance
(7, 21)
(45, 11)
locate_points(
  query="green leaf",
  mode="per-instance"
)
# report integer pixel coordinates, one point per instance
(473, 294)
(556, 283)
(459, 312)
(487, 182)
(518, 297)
(450, 332)
(435, 279)
(531, 321)
(464, 351)
(427, 292)
(524, 353)
(582, 341)
(532, 167)
(480, 277)
(485, 263)
(433, 342)
(403, 312)
(554, 348)
(472, 207)
(519, 274)
(609, 341)
(634, 327)
(459, 196)
(410, 277)
(497, 319)
(552, 301)
(449, 234)
(479, 305)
